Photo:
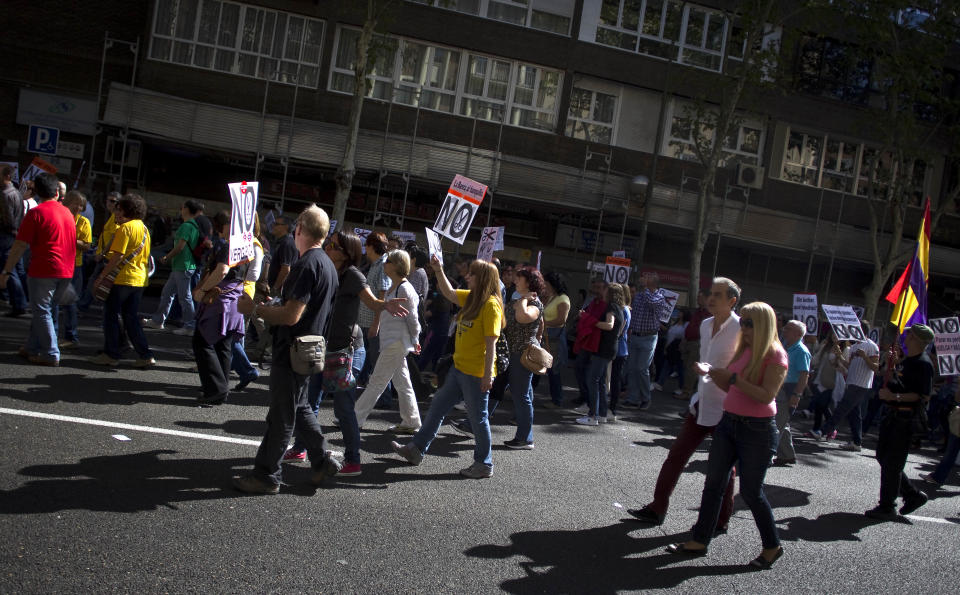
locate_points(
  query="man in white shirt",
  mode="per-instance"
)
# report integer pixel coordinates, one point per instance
(718, 341)
(862, 361)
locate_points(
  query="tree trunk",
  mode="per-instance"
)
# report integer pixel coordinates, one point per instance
(346, 171)
(701, 232)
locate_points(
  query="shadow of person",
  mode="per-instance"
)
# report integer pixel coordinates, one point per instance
(833, 526)
(600, 560)
(237, 427)
(80, 388)
(121, 483)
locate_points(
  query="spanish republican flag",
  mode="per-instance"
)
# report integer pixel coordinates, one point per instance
(909, 293)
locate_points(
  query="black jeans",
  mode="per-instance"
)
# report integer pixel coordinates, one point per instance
(213, 364)
(289, 412)
(896, 433)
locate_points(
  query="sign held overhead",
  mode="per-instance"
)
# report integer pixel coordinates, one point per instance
(459, 208)
(243, 210)
(845, 323)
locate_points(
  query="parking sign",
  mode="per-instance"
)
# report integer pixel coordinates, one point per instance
(43, 139)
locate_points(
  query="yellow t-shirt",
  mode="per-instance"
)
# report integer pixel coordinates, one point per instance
(84, 234)
(125, 241)
(550, 312)
(470, 347)
(106, 236)
(250, 285)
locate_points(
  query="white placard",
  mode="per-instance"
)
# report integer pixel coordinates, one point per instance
(488, 243)
(596, 267)
(620, 253)
(459, 208)
(362, 234)
(500, 234)
(845, 323)
(805, 310)
(539, 256)
(405, 236)
(434, 246)
(36, 167)
(333, 227)
(671, 298)
(858, 310)
(70, 150)
(243, 210)
(947, 333)
(616, 270)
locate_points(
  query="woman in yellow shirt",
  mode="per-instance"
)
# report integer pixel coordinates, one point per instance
(128, 254)
(470, 378)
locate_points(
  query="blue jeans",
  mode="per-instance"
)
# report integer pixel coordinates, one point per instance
(849, 407)
(522, 392)
(15, 293)
(580, 366)
(641, 348)
(87, 298)
(597, 385)
(177, 287)
(124, 301)
(558, 342)
(668, 368)
(439, 325)
(616, 381)
(343, 409)
(45, 292)
(70, 323)
(458, 386)
(750, 443)
(942, 472)
(241, 363)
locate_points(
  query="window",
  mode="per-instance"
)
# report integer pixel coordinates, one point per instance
(829, 68)
(554, 16)
(667, 29)
(591, 116)
(453, 81)
(743, 145)
(238, 39)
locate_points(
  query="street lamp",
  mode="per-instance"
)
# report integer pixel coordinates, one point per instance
(635, 187)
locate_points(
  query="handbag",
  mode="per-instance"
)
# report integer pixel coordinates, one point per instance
(503, 353)
(536, 359)
(308, 354)
(211, 295)
(102, 291)
(338, 371)
(954, 421)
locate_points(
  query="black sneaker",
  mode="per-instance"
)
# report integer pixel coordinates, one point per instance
(914, 503)
(881, 513)
(462, 426)
(518, 444)
(328, 468)
(646, 515)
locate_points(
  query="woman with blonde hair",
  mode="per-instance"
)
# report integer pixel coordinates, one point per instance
(470, 378)
(747, 433)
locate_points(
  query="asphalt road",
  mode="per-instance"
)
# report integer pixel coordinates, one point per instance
(84, 511)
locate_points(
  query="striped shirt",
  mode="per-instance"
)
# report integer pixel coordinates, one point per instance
(648, 308)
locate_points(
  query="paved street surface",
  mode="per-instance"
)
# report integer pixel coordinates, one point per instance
(83, 511)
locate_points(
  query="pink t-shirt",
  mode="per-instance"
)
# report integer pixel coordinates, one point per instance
(739, 403)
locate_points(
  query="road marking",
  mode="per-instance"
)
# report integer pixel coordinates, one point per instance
(929, 519)
(113, 424)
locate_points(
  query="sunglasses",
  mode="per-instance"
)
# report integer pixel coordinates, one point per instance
(746, 322)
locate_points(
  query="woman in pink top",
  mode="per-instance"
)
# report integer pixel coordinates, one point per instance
(747, 433)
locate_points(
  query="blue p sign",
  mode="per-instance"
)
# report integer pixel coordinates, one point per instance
(42, 139)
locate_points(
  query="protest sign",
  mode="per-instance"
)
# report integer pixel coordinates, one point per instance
(947, 335)
(405, 236)
(433, 245)
(36, 167)
(499, 244)
(362, 234)
(858, 310)
(845, 323)
(539, 256)
(459, 208)
(620, 253)
(671, 298)
(333, 227)
(488, 242)
(616, 270)
(243, 210)
(15, 176)
(805, 310)
(596, 267)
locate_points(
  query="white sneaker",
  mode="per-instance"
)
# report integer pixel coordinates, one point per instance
(582, 409)
(656, 386)
(460, 407)
(183, 331)
(588, 421)
(151, 323)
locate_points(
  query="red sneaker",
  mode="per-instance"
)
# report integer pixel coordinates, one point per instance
(349, 470)
(294, 456)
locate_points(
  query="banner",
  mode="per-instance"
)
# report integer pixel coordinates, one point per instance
(434, 246)
(405, 236)
(487, 245)
(947, 333)
(616, 270)
(362, 234)
(805, 310)
(620, 253)
(499, 244)
(671, 299)
(243, 209)
(459, 208)
(36, 167)
(845, 323)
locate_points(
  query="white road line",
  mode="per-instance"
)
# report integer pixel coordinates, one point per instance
(929, 519)
(113, 424)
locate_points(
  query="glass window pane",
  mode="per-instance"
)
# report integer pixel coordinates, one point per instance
(209, 17)
(476, 75)
(446, 65)
(715, 33)
(671, 28)
(250, 32)
(508, 13)
(549, 89)
(166, 14)
(653, 18)
(313, 39)
(630, 19)
(279, 35)
(413, 63)
(695, 27)
(610, 13)
(603, 107)
(386, 51)
(294, 37)
(546, 21)
(347, 49)
(616, 39)
(203, 56)
(751, 140)
(580, 100)
(342, 82)
(224, 60)
(831, 155)
(182, 52)
(267, 69)
(309, 74)
(229, 22)
(186, 19)
(266, 38)
(160, 49)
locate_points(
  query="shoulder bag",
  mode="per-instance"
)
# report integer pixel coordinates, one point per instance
(308, 354)
(536, 359)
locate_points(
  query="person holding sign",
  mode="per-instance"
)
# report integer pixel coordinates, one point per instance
(904, 397)
(862, 360)
(746, 435)
(470, 378)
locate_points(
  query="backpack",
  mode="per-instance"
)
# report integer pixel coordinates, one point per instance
(203, 245)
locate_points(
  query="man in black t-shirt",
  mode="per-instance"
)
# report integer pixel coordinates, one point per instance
(904, 395)
(283, 255)
(306, 301)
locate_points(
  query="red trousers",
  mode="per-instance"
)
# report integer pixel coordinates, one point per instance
(691, 436)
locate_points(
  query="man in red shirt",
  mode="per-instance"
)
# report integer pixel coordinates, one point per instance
(51, 234)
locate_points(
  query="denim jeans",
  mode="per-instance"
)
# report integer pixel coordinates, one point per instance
(942, 472)
(616, 381)
(822, 399)
(44, 292)
(522, 392)
(70, 311)
(558, 339)
(289, 414)
(785, 443)
(437, 340)
(638, 367)
(849, 407)
(580, 366)
(177, 287)
(124, 301)
(597, 386)
(458, 386)
(87, 297)
(15, 293)
(750, 443)
(343, 409)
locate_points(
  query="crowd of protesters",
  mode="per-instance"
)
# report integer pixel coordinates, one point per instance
(389, 314)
